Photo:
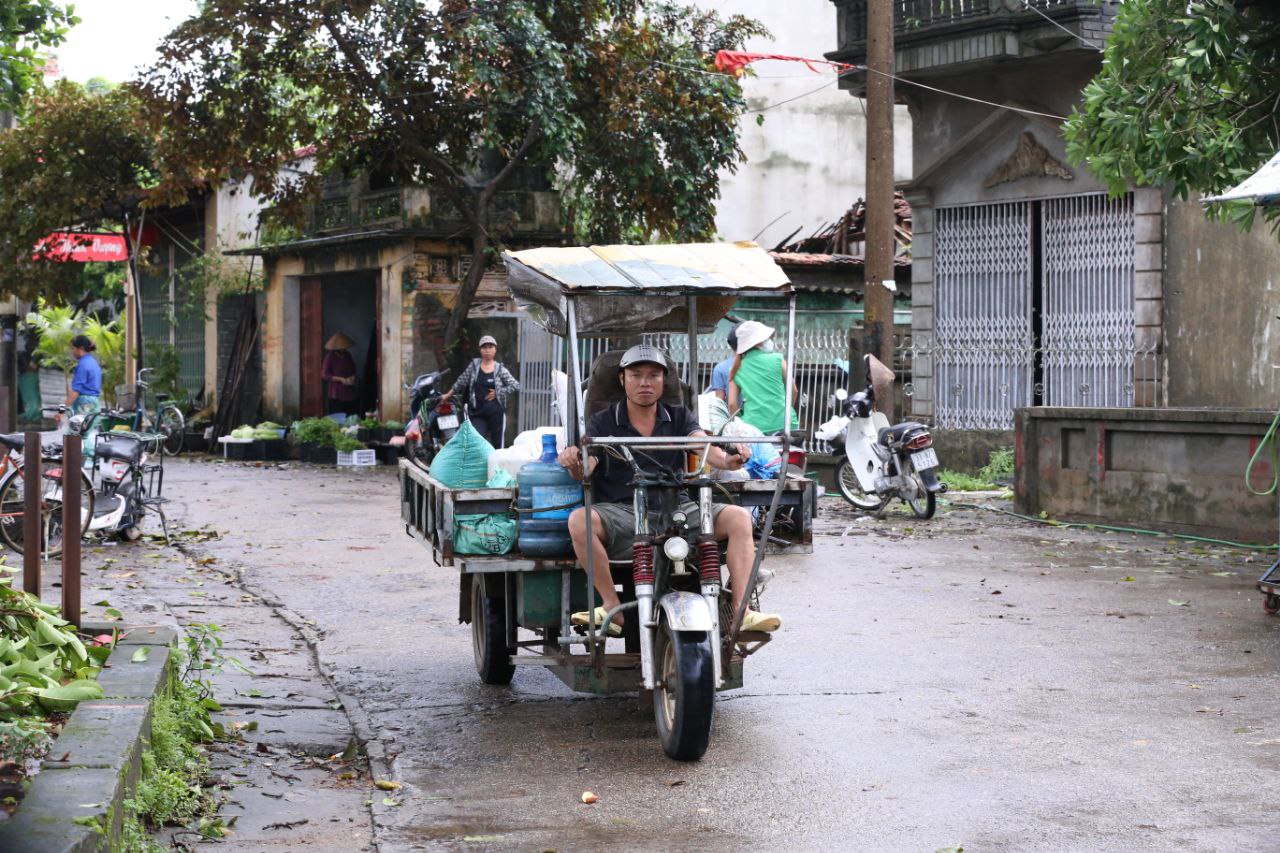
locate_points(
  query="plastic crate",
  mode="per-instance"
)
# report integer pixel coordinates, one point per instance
(358, 458)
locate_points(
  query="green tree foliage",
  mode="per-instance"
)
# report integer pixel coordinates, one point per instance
(26, 27)
(77, 161)
(55, 325)
(467, 97)
(1188, 96)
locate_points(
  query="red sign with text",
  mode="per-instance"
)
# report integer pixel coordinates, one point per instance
(74, 247)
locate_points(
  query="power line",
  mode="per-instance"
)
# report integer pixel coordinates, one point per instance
(1071, 33)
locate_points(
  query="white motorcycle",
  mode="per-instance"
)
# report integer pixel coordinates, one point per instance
(882, 462)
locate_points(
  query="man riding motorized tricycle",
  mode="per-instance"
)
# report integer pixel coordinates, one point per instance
(642, 372)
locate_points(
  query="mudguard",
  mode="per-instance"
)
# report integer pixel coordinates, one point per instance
(686, 611)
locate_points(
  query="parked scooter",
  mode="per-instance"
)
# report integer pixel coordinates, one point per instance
(431, 423)
(883, 462)
(124, 481)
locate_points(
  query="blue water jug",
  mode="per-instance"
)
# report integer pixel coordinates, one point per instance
(544, 483)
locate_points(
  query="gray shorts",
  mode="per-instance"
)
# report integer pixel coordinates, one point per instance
(620, 524)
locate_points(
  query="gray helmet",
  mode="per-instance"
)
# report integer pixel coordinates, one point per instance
(643, 354)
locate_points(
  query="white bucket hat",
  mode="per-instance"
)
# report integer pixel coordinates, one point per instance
(753, 333)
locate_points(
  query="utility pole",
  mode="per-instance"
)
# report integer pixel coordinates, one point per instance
(877, 323)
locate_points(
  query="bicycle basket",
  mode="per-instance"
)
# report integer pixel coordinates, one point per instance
(126, 396)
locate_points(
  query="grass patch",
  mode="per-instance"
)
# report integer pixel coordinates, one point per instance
(958, 481)
(997, 473)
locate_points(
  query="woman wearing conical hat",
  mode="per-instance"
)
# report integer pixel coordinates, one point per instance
(339, 373)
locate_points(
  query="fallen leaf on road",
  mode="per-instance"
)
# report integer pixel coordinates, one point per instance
(1177, 603)
(387, 801)
(678, 783)
(482, 838)
(386, 785)
(141, 655)
(589, 798)
(1128, 579)
(1141, 742)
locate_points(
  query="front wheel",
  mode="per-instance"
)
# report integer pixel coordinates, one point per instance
(172, 425)
(925, 503)
(489, 636)
(684, 701)
(851, 489)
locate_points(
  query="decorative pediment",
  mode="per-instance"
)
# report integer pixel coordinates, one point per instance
(1029, 160)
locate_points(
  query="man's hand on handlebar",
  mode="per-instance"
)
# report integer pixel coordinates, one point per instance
(729, 457)
(570, 459)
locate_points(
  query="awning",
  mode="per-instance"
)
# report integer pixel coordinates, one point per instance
(632, 289)
(1262, 187)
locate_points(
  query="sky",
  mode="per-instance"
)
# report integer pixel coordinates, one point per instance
(114, 37)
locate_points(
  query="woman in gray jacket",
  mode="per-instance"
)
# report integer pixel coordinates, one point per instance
(487, 385)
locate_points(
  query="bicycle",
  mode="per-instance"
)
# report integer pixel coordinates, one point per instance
(13, 495)
(168, 420)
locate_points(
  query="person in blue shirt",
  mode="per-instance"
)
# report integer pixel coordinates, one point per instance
(720, 373)
(85, 396)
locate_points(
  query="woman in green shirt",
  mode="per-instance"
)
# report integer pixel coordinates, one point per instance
(758, 381)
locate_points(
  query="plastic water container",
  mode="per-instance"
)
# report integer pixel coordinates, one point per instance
(544, 483)
(512, 459)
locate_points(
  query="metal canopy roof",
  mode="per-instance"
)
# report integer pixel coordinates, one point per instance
(1262, 187)
(687, 268)
(632, 289)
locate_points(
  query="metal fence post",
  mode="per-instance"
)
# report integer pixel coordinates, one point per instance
(71, 527)
(31, 515)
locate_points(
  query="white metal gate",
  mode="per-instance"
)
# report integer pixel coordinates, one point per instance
(983, 340)
(1087, 328)
(538, 356)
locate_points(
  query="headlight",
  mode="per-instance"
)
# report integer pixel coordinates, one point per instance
(676, 549)
(76, 424)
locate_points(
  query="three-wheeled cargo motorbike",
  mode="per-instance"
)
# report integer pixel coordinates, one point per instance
(682, 640)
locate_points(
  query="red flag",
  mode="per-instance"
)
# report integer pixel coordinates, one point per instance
(735, 62)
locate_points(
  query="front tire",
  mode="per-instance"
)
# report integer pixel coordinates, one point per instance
(851, 490)
(489, 636)
(172, 425)
(684, 702)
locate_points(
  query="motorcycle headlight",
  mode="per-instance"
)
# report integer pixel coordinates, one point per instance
(76, 424)
(676, 549)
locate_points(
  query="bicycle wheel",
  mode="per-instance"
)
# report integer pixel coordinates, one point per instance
(13, 510)
(172, 425)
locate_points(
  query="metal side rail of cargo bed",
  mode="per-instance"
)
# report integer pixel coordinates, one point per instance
(429, 509)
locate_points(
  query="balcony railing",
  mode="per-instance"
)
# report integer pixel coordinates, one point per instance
(919, 19)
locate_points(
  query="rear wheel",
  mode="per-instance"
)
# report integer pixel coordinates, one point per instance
(852, 491)
(684, 702)
(172, 425)
(489, 636)
(925, 503)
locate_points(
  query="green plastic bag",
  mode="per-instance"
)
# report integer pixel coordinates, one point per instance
(463, 463)
(488, 533)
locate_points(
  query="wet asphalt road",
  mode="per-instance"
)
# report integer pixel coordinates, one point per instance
(972, 680)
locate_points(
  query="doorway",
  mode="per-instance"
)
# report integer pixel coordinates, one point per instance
(346, 303)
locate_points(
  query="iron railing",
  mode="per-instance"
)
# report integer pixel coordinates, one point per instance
(914, 18)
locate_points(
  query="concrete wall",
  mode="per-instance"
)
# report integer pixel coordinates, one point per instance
(1221, 301)
(805, 164)
(1168, 469)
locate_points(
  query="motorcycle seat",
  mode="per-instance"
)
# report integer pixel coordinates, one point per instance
(125, 448)
(890, 436)
(14, 441)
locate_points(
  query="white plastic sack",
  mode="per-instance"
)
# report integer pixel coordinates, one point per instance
(831, 430)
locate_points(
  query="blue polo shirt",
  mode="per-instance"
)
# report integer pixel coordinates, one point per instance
(87, 378)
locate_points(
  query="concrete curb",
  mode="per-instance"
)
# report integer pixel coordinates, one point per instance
(102, 744)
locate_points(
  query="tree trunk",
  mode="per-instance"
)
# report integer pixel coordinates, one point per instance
(466, 292)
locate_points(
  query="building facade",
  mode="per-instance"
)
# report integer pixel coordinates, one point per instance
(1031, 285)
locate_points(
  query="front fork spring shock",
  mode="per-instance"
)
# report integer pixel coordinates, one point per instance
(642, 561)
(708, 560)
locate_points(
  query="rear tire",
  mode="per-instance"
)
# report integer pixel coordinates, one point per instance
(851, 490)
(684, 702)
(925, 504)
(489, 636)
(172, 425)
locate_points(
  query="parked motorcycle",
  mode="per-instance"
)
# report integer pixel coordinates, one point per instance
(431, 423)
(126, 482)
(883, 462)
